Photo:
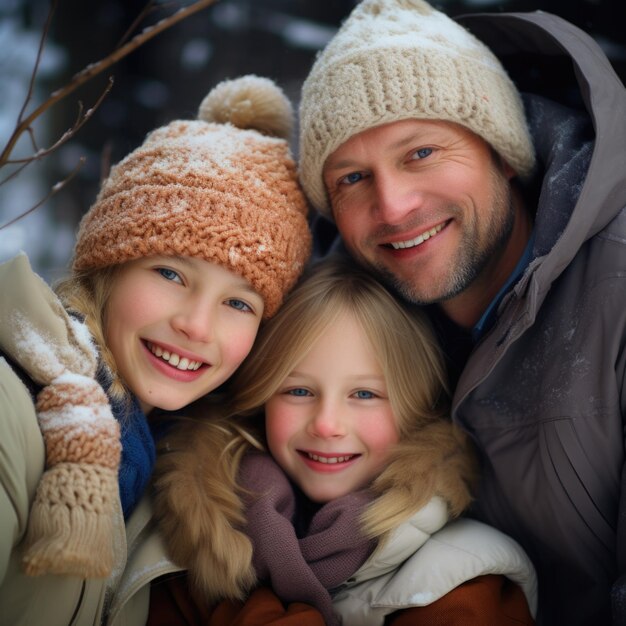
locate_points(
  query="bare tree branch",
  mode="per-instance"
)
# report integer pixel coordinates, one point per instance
(14, 173)
(149, 8)
(33, 75)
(96, 68)
(68, 134)
(33, 139)
(24, 124)
(54, 189)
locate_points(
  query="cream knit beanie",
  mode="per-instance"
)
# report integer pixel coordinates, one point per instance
(401, 59)
(222, 188)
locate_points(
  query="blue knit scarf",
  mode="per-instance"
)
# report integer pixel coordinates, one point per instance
(138, 449)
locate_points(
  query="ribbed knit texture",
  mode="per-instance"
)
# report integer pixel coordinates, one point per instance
(71, 520)
(301, 565)
(209, 190)
(138, 453)
(394, 60)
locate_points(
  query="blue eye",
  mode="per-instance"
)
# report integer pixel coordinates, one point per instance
(299, 392)
(422, 153)
(169, 274)
(240, 305)
(362, 394)
(350, 179)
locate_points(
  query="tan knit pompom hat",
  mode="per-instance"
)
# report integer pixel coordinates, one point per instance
(222, 188)
(401, 59)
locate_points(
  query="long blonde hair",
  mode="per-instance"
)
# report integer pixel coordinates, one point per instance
(403, 342)
(412, 364)
(86, 293)
(432, 458)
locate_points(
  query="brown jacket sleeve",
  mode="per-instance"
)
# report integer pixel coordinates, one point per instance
(484, 601)
(172, 605)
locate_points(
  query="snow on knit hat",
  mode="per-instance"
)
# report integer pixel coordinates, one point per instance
(401, 59)
(222, 188)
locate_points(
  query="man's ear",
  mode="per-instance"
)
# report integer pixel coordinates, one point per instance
(502, 164)
(508, 171)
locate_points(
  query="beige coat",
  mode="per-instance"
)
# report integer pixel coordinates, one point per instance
(57, 600)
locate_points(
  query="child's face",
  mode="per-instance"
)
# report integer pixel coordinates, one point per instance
(330, 424)
(178, 327)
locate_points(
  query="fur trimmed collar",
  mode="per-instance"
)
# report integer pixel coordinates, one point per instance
(201, 513)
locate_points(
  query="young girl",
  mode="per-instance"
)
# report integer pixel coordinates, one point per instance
(343, 496)
(194, 239)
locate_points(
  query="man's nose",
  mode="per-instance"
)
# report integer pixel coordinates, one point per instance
(395, 198)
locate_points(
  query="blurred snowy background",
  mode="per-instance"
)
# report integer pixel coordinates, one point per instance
(166, 79)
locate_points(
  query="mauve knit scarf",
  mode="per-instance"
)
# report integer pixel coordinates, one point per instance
(301, 567)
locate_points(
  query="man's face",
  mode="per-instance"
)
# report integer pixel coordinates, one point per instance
(425, 205)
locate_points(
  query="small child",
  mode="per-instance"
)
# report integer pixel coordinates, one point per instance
(194, 239)
(343, 496)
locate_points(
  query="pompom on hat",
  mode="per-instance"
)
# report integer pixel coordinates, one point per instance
(222, 188)
(395, 60)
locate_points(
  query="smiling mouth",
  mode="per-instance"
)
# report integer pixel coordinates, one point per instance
(175, 360)
(331, 460)
(420, 239)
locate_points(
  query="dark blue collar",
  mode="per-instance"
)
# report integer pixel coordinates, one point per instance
(489, 316)
(138, 447)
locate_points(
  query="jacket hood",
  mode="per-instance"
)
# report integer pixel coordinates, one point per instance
(572, 207)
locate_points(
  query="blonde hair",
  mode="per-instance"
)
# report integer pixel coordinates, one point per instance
(403, 342)
(412, 364)
(86, 293)
(432, 458)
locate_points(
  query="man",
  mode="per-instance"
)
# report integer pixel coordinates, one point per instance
(505, 215)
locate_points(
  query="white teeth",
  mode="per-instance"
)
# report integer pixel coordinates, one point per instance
(175, 360)
(411, 243)
(329, 459)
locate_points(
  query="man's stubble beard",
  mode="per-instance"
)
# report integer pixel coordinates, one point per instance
(470, 260)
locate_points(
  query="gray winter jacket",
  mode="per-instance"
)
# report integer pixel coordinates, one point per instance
(543, 393)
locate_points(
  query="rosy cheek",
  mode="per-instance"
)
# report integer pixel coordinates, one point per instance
(276, 427)
(382, 440)
(239, 348)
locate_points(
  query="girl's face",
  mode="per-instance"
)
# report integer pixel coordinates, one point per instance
(330, 424)
(178, 327)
